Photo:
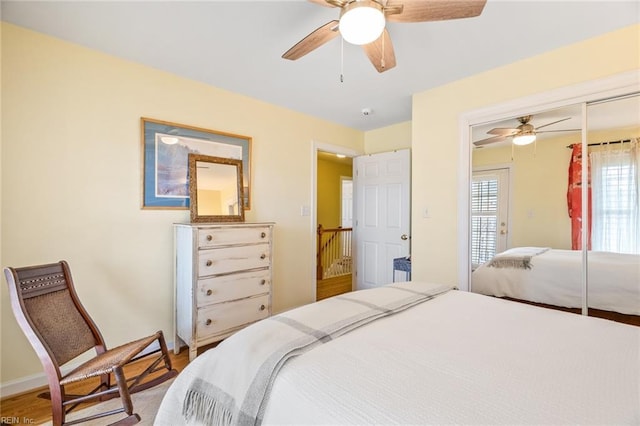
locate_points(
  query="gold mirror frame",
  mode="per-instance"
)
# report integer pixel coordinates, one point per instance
(195, 211)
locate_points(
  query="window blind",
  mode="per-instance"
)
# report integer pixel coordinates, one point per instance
(484, 219)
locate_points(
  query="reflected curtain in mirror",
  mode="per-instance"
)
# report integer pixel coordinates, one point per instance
(215, 189)
(616, 185)
(574, 198)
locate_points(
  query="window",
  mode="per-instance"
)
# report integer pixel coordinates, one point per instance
(616, 214)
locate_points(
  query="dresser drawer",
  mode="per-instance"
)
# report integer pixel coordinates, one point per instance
(215, 319)
(214, 237)
(232, 259)
(231, 287)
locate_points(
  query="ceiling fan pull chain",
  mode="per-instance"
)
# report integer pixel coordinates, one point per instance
(341, 60)
(512, 147)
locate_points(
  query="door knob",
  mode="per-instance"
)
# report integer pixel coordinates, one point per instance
(404, 237)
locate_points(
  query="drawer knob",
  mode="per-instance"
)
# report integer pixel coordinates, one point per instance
(209, 237)
(263, 282)
(263, 256)
(263, 234)
(209, 263)
(209, 292)
(262, 307)
(208, 321)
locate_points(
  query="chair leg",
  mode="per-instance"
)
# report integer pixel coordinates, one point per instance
(57, 410)
(165, 351)
(121, 381)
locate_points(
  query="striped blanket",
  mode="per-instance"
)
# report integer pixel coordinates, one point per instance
(235, 388)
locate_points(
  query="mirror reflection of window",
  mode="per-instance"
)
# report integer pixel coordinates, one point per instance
(217, 189)
(614, 160)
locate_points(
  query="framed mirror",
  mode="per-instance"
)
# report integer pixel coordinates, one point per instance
(215, 189)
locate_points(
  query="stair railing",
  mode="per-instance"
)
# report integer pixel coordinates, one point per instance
(334, 252)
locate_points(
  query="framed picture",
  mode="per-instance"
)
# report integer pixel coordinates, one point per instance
(165, 160)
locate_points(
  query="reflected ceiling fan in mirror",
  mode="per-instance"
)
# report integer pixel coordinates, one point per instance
(362, 22)
(524, 134)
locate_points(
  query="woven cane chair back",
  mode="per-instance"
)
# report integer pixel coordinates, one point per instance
(54, 312)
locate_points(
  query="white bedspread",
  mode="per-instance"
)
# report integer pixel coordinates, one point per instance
(555, 278)
(224, 395)
(461, 358)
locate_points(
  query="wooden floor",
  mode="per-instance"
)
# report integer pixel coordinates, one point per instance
(333, 286)
(613, 316)
(28, 408)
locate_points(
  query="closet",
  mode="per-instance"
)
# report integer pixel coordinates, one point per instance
(577, 218)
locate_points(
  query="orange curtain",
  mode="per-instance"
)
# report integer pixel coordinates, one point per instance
(574, 198)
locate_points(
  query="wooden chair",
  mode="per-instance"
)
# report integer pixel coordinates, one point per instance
(58, 327)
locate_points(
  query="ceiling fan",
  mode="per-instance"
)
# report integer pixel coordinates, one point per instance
(362, 22)
(524, 134)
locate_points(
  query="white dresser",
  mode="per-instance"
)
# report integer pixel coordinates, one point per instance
(223, 276)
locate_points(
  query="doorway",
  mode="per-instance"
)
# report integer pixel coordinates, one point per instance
(395, 216)
(333, 216)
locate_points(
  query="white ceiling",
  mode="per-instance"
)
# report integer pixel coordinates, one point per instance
(237, 45)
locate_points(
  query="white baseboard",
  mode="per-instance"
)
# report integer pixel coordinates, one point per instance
(34, 381)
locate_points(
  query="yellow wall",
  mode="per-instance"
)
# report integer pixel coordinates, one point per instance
(71, 182)
(435, 133)
(389, 138)
(329, 192)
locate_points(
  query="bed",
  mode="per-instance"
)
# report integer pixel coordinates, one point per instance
(414, 353)
(553, 277)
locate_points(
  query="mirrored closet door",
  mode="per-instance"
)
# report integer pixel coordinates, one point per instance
(613, 259)
(524, 250)
(531, 234)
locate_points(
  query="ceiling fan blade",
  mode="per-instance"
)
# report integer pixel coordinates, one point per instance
(322, 3)
(381, 53)
(490, 140)
(314, 40)
(553, 122)
(503, 131)
(563, 130)
(434, 10)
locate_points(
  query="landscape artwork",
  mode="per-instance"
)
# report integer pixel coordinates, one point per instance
(166, 149)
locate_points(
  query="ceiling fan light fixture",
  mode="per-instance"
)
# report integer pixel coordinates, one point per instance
(524, 138)
(362, 22)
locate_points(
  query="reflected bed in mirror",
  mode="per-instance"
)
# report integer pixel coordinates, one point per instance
(215, 189)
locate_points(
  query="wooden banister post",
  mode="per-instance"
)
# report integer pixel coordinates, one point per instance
(319, 254)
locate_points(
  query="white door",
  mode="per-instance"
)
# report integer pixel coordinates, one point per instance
(382, 215)
(489, 214)
(346, 202)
